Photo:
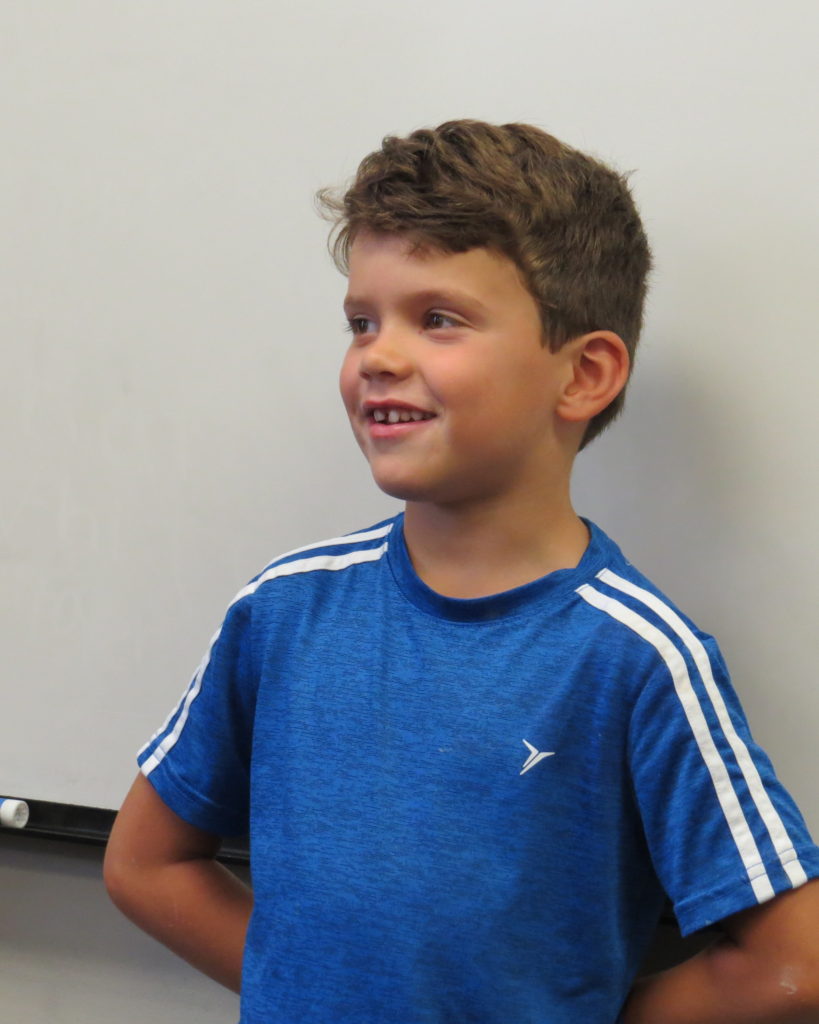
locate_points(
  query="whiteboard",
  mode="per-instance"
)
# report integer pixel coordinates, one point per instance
(171, 326)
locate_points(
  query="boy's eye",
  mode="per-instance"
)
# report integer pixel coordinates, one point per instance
(359, 325)
(437, 320)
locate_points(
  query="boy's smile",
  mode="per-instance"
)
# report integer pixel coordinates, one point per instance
(450, 392)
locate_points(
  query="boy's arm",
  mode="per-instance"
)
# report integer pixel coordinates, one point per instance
(161, 872)
(765, 971)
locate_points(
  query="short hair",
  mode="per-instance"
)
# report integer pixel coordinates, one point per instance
(565, 219)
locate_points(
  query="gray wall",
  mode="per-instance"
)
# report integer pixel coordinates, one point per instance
(171, 325)
(170, 328)
(68, 957)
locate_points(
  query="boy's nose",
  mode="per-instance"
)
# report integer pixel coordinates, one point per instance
(385, 355)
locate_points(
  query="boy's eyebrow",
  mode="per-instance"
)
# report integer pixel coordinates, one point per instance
(432, 296)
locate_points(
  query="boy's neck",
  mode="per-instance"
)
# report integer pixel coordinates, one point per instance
(475, 552)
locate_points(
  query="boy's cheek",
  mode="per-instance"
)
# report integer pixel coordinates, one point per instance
(349, 396)
(348, 379)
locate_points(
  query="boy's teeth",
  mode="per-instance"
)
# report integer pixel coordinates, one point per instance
(398, 415)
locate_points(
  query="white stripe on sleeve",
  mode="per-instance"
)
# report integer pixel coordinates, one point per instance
(728, 799)
(770, 816)
(350, 538)
(331, 563)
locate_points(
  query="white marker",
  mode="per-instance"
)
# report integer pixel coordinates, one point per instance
(13, 813)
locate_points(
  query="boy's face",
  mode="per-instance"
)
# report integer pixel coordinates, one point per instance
(450, 392)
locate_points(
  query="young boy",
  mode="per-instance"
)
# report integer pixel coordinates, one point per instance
(475, 749)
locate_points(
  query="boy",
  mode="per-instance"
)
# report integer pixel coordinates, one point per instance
(475, 748)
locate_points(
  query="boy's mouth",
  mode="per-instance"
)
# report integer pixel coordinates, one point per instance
(393, 414)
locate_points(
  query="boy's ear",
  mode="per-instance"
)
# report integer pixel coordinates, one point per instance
(598, 368)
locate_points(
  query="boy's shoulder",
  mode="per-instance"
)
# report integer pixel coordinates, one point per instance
(620, 589)
(632, 614)
(330, 554)
(604, 578)
(603, 605)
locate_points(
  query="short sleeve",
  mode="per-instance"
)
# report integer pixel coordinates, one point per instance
(724, 834)
(199, 761)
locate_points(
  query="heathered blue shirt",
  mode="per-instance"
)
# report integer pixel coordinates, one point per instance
(469, 811)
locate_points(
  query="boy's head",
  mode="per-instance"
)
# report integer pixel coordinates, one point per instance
(567, 221)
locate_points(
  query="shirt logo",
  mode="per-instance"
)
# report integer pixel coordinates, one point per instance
(535, 757)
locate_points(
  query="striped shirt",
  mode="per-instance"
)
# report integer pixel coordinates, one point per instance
(469, 810)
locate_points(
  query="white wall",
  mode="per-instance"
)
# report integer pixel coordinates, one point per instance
(171, 324)
(170, 329)
(68, 957)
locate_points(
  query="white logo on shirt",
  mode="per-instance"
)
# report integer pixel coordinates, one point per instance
(535, 757)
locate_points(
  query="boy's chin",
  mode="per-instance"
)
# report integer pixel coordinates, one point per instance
(401, 491)
(419, 493)
(404, 488)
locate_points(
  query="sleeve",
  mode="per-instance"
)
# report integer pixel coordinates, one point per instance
(723, 833)
(199, 761)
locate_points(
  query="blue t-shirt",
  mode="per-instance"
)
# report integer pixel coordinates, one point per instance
(469, 811)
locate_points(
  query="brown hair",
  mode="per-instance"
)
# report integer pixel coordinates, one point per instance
(566, 220)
